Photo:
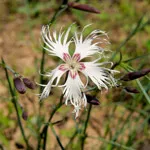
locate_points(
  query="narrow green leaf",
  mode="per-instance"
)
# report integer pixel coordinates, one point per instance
(143, 91)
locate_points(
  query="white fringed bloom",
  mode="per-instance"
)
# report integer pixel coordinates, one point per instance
(58, 45)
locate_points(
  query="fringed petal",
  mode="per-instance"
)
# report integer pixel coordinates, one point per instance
(55, 74)
(102, 77)
(73, 94)
(46, 91)
(56, 45)
(86, 47)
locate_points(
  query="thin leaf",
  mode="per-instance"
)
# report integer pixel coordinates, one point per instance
(143, 91)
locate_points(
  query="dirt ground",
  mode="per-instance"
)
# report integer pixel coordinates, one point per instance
(20, 46)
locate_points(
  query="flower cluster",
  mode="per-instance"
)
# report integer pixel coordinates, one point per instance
(73, 65)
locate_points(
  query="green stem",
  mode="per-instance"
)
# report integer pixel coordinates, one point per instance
(85, 127)
(132, 33)
(8, 68)
(14, 99)
(112, 143)
(45, 129)
(71, 139)
(42, 67)
(57, 138)
(115, 137)
(61, 9)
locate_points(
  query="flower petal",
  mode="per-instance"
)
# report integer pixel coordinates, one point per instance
(72, 92)
(56, 45)
(55, 74)
(101, 76)
(86, 47)
(46, 91)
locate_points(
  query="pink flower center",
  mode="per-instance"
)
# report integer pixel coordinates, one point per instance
(72, 64)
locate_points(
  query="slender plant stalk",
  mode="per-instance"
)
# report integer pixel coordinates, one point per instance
(111, 147)
(108, 128)
(71, 139)
(83, 137)
(57, 138)
(138, 27)
(61, 9)
(112, 143)
(43, 134)
(42, 67)
(14, 101)
(8, 68)
(45, 129)
(132, 33)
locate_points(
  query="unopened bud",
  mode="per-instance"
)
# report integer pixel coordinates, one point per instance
(19, 85)
(28, 83)
(83, 7)
(135, 75)
(131, 90)
(24, 115)
(19, 145)
(92, 100)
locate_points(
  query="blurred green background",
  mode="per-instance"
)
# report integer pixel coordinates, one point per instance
(122, 119)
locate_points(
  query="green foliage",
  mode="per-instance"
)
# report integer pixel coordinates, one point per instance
(67, 133)
(34, 9)
(127, 8)
(147, 45)
(5, 122)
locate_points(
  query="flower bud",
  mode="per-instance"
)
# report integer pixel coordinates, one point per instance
(19, 145)
(24, 115)
(28, 83)
(135, 75)
(92, 100)
(131, 90)
(83, 7)
(19, 85)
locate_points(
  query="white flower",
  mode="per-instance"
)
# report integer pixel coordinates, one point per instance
(58, 45)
